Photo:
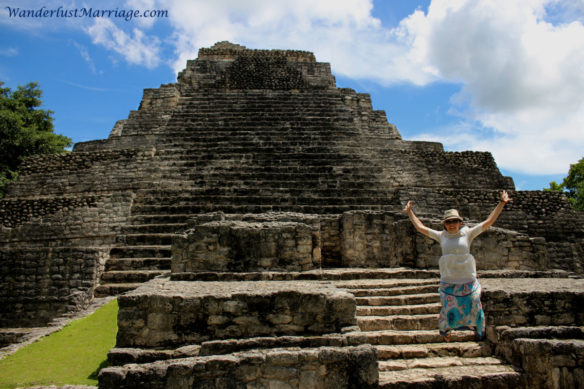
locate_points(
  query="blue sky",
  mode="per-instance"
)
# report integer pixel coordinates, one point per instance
(499, 76)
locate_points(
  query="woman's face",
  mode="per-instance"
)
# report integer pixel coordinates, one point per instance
(452, 225)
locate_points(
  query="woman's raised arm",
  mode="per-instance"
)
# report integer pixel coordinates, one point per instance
(415, 221)
(497, 211)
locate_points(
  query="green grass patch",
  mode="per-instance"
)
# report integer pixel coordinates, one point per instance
(73, 355)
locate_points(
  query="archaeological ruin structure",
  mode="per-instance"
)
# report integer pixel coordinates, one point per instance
(249, 219)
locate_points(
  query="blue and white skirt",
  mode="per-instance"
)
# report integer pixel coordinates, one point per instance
(461, 308)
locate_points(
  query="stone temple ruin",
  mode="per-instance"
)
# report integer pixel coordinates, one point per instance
(249, 218)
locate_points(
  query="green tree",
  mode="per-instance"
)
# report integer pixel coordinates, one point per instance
(573, 185)
(25, 130)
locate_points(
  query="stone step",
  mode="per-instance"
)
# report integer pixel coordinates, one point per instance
(436, 362)
(153, 212)
(130, 276)
(197, 194)
(284, 202)
(149, 239)
(418, 278)
(160, 219)
(481, 376)
(385, 310)
(412, 299)
(137, 264)
(450, 349)
(146, 251)
(238, 185)
(253, 172)
(255, 142)
(154, 228)
(394, 291)
(105, 290)
(398, 322)
(10, 336)
(255, 207)
(394, 337)
(337, 276)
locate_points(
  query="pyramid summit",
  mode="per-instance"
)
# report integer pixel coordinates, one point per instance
(270, 167)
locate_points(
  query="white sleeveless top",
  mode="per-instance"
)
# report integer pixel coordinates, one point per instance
(457, 265)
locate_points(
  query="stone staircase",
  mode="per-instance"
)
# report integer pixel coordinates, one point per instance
(322, 151)
(243, 153)
(142, 253)
(400, 318)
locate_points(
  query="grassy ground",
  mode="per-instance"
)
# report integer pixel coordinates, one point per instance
(73, 355)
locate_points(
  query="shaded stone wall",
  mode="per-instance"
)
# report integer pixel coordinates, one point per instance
(54, 269)
(325, 367)
(37, 283)
(83, 174)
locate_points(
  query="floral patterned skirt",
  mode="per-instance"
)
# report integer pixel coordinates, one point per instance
(461, 308)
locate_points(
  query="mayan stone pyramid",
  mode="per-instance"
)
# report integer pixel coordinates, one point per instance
(253, 136)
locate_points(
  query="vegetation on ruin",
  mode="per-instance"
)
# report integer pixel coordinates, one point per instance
(73, 355)
(25, 130)
(573, 185)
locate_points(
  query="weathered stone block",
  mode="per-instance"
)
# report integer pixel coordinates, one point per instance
(175, 313)
(244, 246)
(326, 367)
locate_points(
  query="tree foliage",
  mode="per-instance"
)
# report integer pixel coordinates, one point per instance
(25, 130)
(573, 185)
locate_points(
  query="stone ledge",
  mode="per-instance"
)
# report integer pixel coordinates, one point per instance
(164, 313)
(314, 275)
(123, 356)
(551, 357)
(327, 367)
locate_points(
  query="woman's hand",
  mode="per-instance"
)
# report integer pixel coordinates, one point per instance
(505, 197)
(408, 206)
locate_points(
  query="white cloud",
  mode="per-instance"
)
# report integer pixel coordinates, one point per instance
(343, 33)
(136, 48)
(86, 57)
(519, 62)
(522, 78)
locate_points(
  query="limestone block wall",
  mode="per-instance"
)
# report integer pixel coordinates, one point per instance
(234, 67)
(370, 239)
(528, 302)
(376, 239)
(84, 173)
(164, 313)
(245, 246)
(51, 263)
(536, 324)
(38, 282)
(14, 212)
(385, 239)
(325, 367)
(536, 213)
(551, 357)
(273, 241)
